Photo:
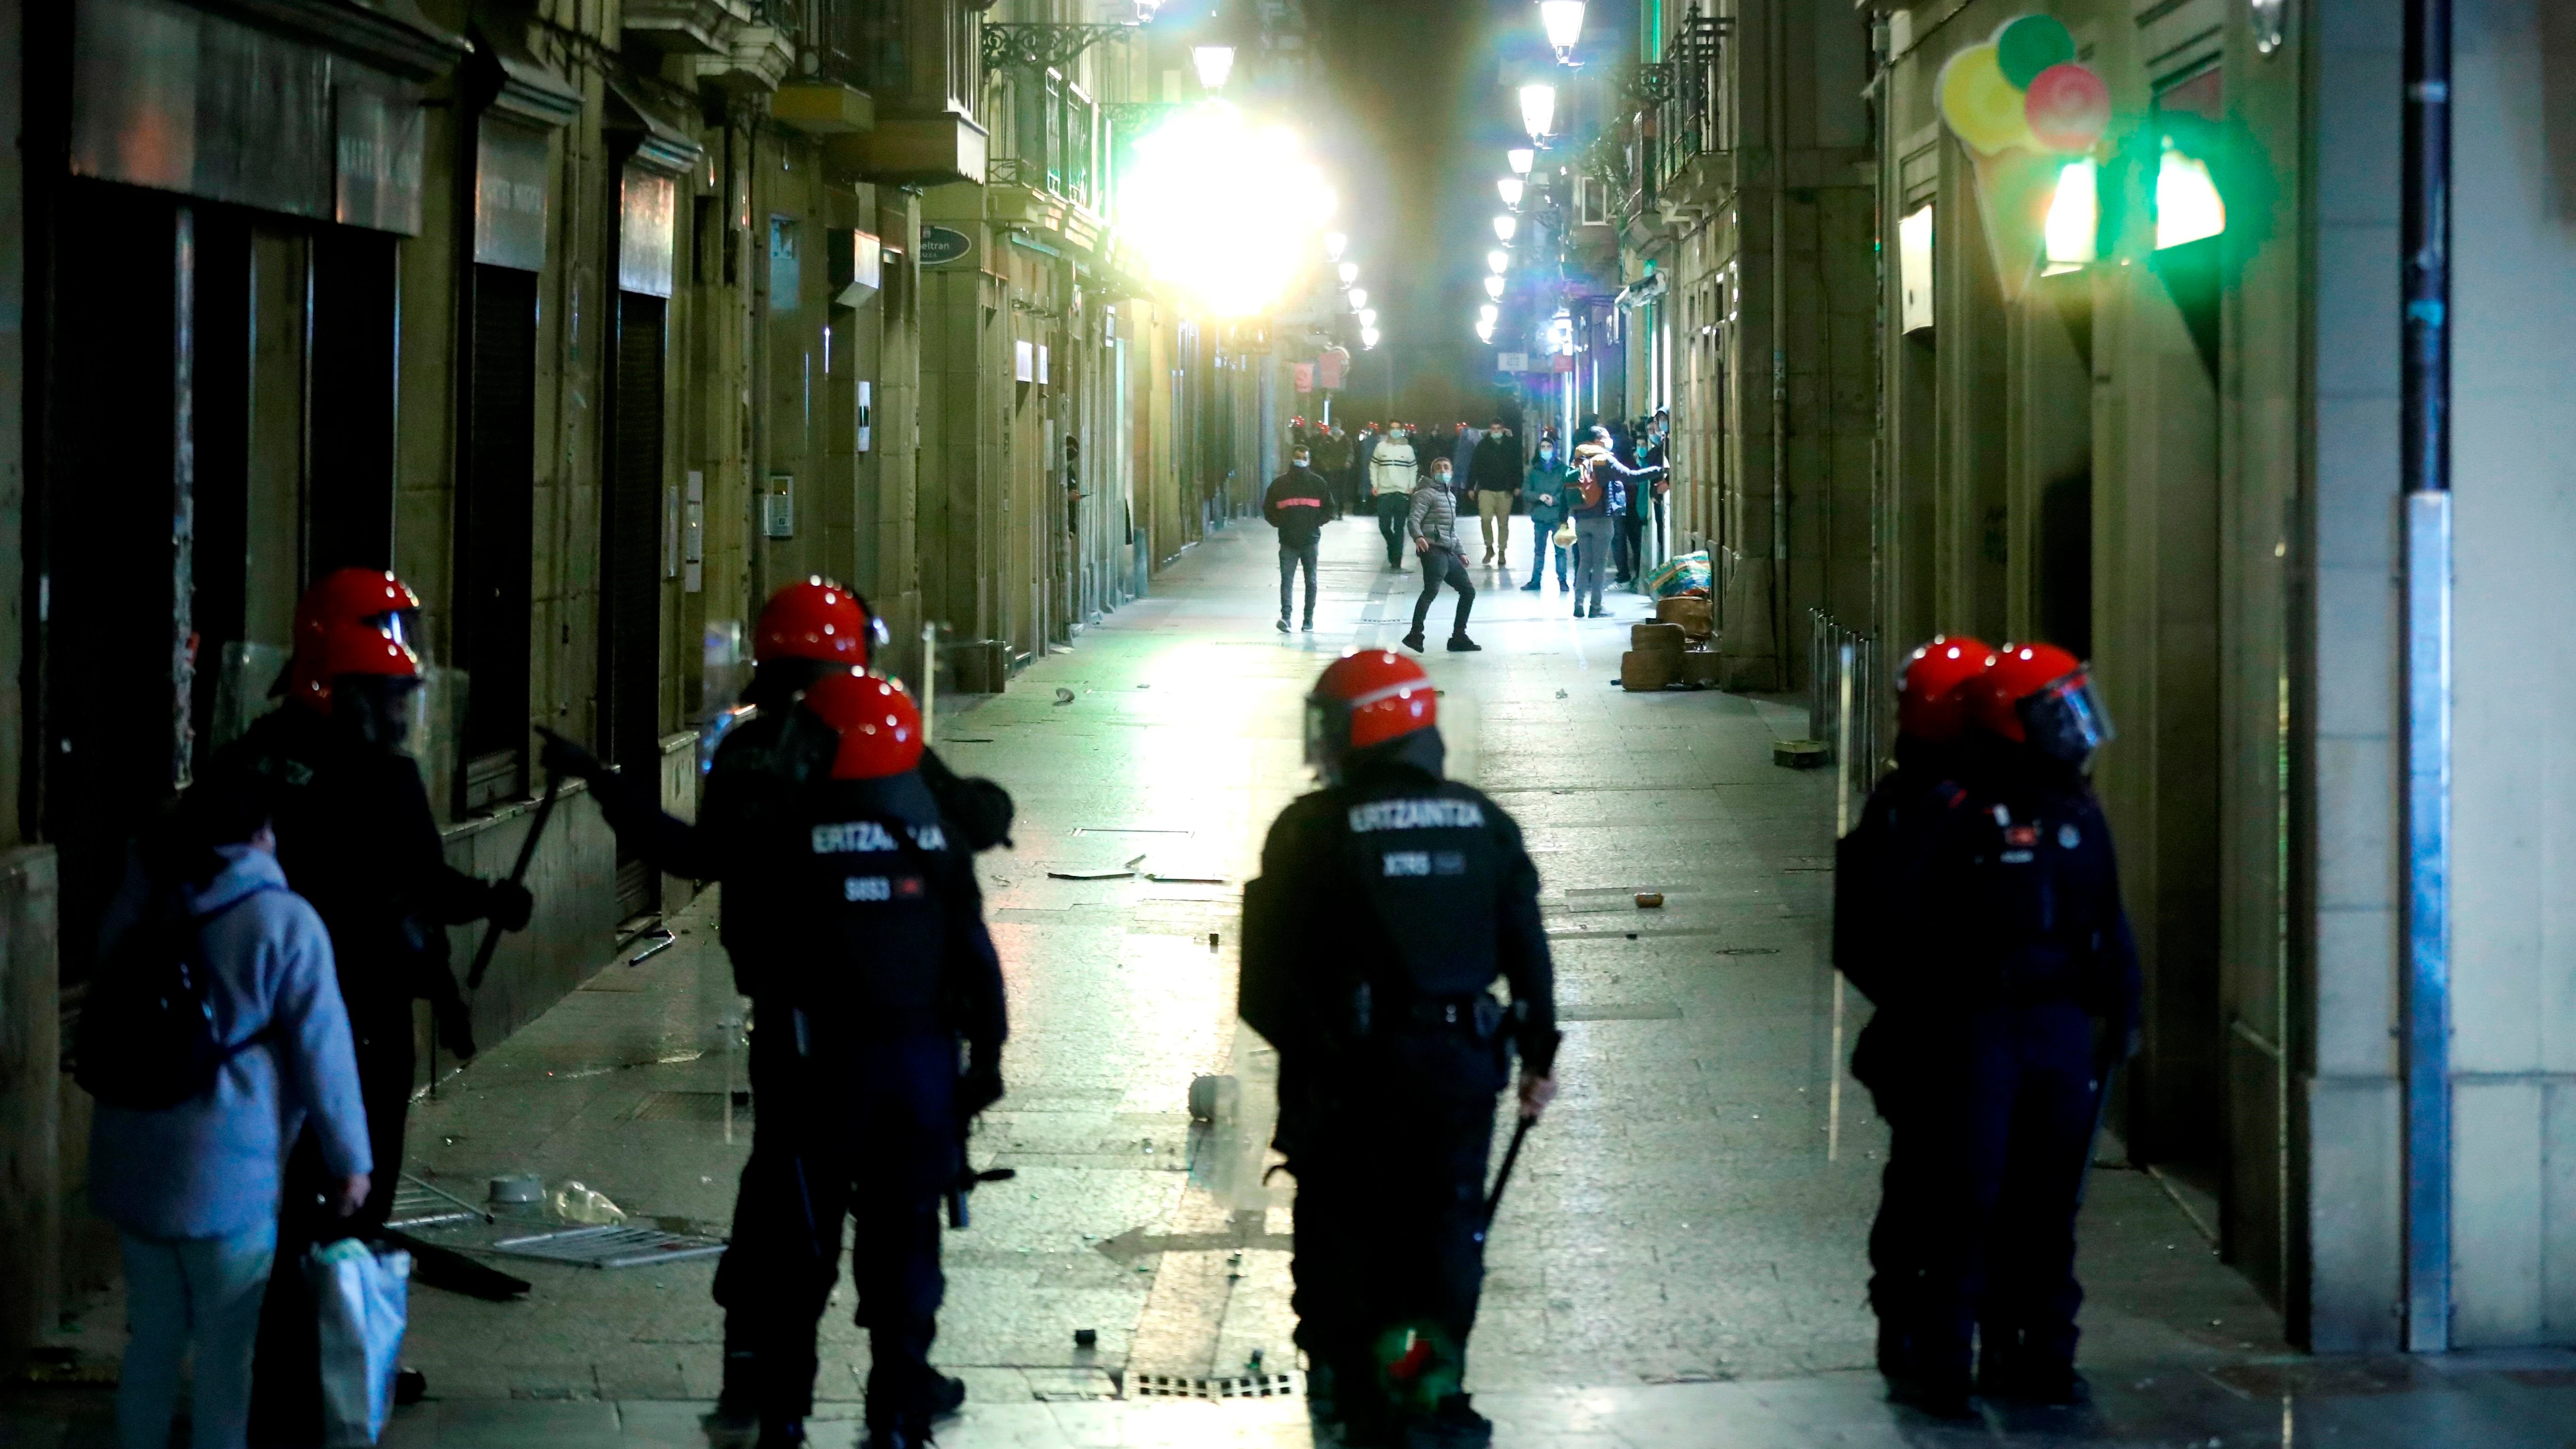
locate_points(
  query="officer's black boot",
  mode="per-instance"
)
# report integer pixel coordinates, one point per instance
(1454, 1425)
(782, 1434)
(904, 1433)
(735, 1422)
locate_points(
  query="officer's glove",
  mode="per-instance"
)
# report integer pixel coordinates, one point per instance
(455, 1026)
(563, 757)
(979, 1088)
(507, 904)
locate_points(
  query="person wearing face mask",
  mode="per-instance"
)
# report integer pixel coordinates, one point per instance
(355, 837)
(2014, 1020)
(1547, 497)
(1298, 505)
(1390, 481)
(1434, 529)
(1494, 472)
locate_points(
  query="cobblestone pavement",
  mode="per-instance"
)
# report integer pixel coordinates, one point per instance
(1679, 1262)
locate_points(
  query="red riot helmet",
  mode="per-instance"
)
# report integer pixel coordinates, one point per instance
(1365, 698)
(818, 620)
(2042, 696)
(358, 596)
(879, 726)
(1930, 703)
(345, 649)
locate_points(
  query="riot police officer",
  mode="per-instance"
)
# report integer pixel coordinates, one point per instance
(356, 838)
(2013, 1019)
(1392, 1046)
(1877, 923)
(855, 925)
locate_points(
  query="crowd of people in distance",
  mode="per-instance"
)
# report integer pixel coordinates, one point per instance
(1589, 505)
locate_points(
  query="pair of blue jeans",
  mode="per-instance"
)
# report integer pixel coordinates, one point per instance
(1538, 555)
(204, 1292)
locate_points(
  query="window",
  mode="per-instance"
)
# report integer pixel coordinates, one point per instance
(1591, 202)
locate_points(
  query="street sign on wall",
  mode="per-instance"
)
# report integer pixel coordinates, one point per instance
(941, 245)
(1512, 362)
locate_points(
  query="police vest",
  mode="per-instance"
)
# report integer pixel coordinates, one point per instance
(1425, 860)
(2042, 876)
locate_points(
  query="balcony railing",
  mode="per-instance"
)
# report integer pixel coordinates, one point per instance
(1680, 110)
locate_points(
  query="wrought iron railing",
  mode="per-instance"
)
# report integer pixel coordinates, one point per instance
(1842, 699)
(1679, 107)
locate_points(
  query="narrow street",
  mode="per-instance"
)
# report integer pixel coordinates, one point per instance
(1679, 1261)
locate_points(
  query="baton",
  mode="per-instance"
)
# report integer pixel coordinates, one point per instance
(1511, 1156)
(518, 876)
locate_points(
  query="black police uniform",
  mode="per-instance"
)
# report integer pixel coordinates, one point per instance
(856, 927)
(1994, 1038)
(1392, 1047)
(356, 838)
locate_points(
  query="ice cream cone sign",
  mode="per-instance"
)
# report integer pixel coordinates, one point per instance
(2023, 106)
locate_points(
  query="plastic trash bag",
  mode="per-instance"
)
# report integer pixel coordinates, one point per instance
(1680, 574)
(575, 1203)
(363, 1297)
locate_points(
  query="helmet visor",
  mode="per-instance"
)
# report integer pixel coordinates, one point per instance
(2065, 720)
(404, 626)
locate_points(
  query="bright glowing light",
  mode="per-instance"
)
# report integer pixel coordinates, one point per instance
(1498, 262)
(2074, 217)
(1560, 333)
(1368, 319)
(1335, 243)
(1213, 63)
(1224, 211)
(1522, 159)
(1349, 273)
(1368, 337)
(1538, 110)
(1563, 21)
(1511, 188)
(1359, 298)
(2188, 207)
(1487, 312)
(1504, 226)
(1484, 331)
(1494, 288)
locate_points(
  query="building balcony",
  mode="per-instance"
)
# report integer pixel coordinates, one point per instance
(685, 27)
(755, 60)
(911, 151)
(823, 109)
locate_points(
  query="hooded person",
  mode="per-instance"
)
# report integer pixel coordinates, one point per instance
(1393, 1004)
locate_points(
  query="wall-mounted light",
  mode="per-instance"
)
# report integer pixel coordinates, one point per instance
(1335, 243)
(1484, 331)
(1359, 298)
(1487, 312)
(1538, 110)
(1498, 262)
(1511, 188)
(1368, 319)
(2188, 207)
(1368, 338)
(1349, 272)
(1563, 21)
(1213, 63)
(1522, 159)
(1504, 226)
(1494, 288)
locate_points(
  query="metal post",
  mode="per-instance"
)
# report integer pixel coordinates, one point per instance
(929, 683)
(2424, 430)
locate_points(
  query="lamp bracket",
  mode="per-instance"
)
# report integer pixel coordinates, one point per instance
(1040, 46)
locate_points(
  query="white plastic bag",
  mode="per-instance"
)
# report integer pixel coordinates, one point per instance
(362, 1297)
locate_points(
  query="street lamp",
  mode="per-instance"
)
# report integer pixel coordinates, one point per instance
(1484, 331)
(1359, 298)
(1504, 226)
(1538, 110)
(1368, 319)
(1213, 63)
(1487, 312)
(1335, 242)
(1563, 21)
(1494, 288)
(1368, 338)
(1511, 188)
(1498, 262)
(1522, 159)
(1349, 272)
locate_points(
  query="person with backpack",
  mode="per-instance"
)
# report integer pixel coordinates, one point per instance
(211, 1035)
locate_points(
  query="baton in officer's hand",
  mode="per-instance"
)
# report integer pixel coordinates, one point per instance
(1511, 1157)
(519, 870)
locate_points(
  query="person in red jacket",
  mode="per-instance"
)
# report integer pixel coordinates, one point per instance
(1299, 504)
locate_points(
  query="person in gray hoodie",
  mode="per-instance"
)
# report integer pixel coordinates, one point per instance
(194, 1189)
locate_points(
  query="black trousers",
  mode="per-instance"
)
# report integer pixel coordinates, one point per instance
(1627, 548)
(1293, 556)
(1976, 1240)
(1439, 566)
(863, 1132)
(1392, 510)
(1390, 1236)
(286, 1366)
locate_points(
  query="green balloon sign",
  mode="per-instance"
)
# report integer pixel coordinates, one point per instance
(2030, 44)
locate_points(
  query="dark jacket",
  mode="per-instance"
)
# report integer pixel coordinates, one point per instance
(1547, 493)
(1298, 504)
(1496, 467)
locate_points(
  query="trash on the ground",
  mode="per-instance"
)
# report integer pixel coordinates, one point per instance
(1091, 875)
(575, 1203)
(441, 1267)
(1063, 695)
(610, 1247)
(1186, 879)
(1134, 861)
(1650, 900)
(516, 1188)
(1211, 940)
(1801, 754)
(1088, 1337)
(662, 941)
(1679, 574)
(1214, 1099)
(1560, 694)
(419, 1204)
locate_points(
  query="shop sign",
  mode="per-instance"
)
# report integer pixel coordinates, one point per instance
(942, 245)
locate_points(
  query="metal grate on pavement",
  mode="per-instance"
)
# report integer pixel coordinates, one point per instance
(610, 1246)
(1212, 1390)
(418, 1204)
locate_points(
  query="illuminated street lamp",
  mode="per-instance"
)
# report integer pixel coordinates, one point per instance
(1335, 242)
(1511, 188)
(1368, 319)
(1494, 288)
(1359, 298)
(1213, 63)
(1350, 272)
(1487, 312)
(1538, 110)
(1522, 159)
(1368, 338)
(1484, 331)
(1504, 226)
(1563, 21)
(1498, 262)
